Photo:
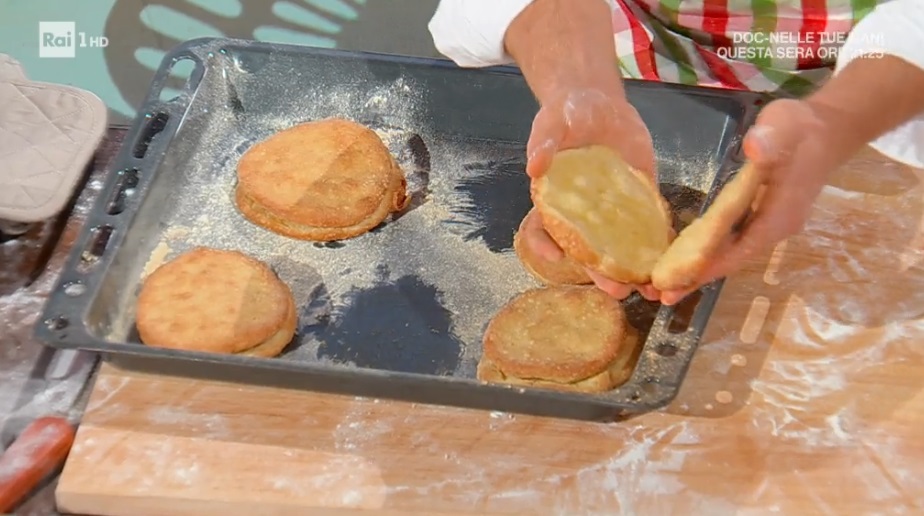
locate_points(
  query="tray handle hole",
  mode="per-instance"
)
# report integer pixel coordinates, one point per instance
(125, 190)
(74, 289)
(95, 248)
(180, 78)
(57, 323)
(666, 349)
(683, 313)
(154, 124)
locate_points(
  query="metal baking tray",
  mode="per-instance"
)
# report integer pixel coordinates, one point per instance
(399, 312)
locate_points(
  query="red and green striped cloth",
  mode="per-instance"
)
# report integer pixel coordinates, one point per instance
(783, 47)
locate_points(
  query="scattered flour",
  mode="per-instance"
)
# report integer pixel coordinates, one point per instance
(28, 389)
(818, 422)
(807, 418)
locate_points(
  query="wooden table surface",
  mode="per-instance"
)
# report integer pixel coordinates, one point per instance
(804, 398)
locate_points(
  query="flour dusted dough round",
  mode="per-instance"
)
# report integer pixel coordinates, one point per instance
(216, 301)
(573, 338)
(325, 180)
(688, 256)
(603, 213)
(563, 272)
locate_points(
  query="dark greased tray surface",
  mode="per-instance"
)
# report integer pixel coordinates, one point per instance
(398, 312)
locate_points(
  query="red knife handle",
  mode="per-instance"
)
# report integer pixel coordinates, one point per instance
(38, 451)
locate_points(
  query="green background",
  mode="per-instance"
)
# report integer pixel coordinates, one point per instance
(140, 31)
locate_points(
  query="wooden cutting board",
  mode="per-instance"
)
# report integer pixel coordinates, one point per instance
(805, 397)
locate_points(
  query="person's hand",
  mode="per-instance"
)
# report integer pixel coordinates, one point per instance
(575, 119)
(793, 146)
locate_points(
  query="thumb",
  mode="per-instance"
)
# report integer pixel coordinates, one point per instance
(539, 156)
(774, 135)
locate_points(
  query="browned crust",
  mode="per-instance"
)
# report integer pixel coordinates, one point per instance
(616, 374)
(690, 253)
(563, 272)
(325, 180)
(211, 300)
(264, 218)
(519, 339)
(576, 246)
(278, 342)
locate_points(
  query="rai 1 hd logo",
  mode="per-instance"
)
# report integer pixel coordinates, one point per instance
(61, 40)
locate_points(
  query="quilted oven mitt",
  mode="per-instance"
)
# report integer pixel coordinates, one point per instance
(48, 134)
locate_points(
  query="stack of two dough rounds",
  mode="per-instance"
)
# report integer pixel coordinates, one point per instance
(216, 301)
(565, 271)
(325, 180)
(567, 338)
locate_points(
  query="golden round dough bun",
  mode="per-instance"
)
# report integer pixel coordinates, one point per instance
(563, 272)
(216, 301)
(603, 213)
(569, 337)
(325, 180)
